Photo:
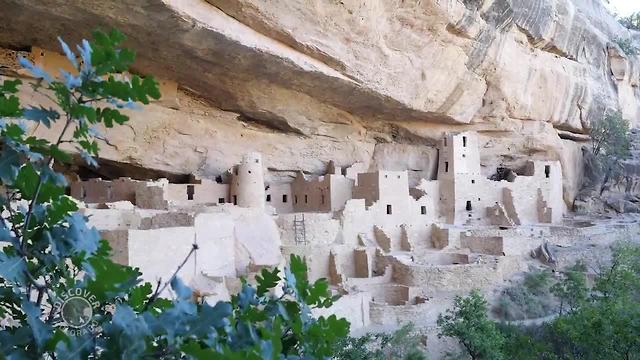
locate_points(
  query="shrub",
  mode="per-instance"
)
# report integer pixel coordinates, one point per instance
(403, 344)
(631, 22)
(611, 144)
(529, 300)
(467, 322)
(626, 45)
(571, 290)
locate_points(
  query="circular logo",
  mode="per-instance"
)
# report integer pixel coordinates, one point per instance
(76, 309)
(76, 312)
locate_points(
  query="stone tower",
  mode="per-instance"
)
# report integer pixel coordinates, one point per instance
(247, 185)
(459, 174)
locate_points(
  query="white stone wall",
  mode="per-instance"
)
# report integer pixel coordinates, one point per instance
(280, 197)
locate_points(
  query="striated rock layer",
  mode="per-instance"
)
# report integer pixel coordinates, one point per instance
(308, 81)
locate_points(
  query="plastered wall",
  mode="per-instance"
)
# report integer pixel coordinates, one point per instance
(101, 191)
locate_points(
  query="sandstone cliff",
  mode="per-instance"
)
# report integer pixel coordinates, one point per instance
(309, 81)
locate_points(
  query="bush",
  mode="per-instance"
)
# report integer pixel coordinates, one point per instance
(529, 300)
(600, 325)
(53, 257)
(611, 144)
(403, 344)
(631, 22)
(626, 45)
(468, 323)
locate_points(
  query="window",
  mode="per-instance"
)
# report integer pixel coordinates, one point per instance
(446, 166)
(306, 199)
(83, 192)
(249, 171)
(284, 198)
(389, 212)
(257, 161)
(398, 176)
(295, 199)
(219, 179)
(469, 205)
(464, 155)
(235, 171)
(464, 141)
(423, 210)
(547, 170)
(473, 181)
(190, 191)
(235, 199)
(268, 197)
(445, 141)
(322, 198)
(220, 200)
(110, 192)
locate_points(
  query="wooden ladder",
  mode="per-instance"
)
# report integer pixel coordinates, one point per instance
(299, 230)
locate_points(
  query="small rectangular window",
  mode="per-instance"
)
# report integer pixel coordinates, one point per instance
(446, 166)
(473, 181)
(469, 206)
(464, 141)
(190, 192)
(235, 199)
(423, 210)
(445, 141)
(220, 200)
(306, 199)
(322, 199)
(389, 212)
(268, 197)
(547, 170)
(295, 199)
(284, 198)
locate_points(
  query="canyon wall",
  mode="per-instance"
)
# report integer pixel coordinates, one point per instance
(378, 82)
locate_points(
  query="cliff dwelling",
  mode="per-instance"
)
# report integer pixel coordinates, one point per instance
(410, 152)
(381, 243)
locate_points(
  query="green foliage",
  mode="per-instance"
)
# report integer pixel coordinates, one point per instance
(631, 22)
(611, 144)
(611, 136)
(531, 299)
(403, 344)
(626, 45)
(598, 323)
(572, 289)
(525, 343)
(469, 324)
(51, 251)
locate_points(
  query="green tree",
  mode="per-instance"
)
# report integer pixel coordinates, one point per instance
(572, 289)
(468, 322)
(602, 323)
(631, 22)
(403, 344)
(626, 44)
(611, 141)
(51, 251)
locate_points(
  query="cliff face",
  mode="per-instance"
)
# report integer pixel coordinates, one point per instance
(308, 81)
